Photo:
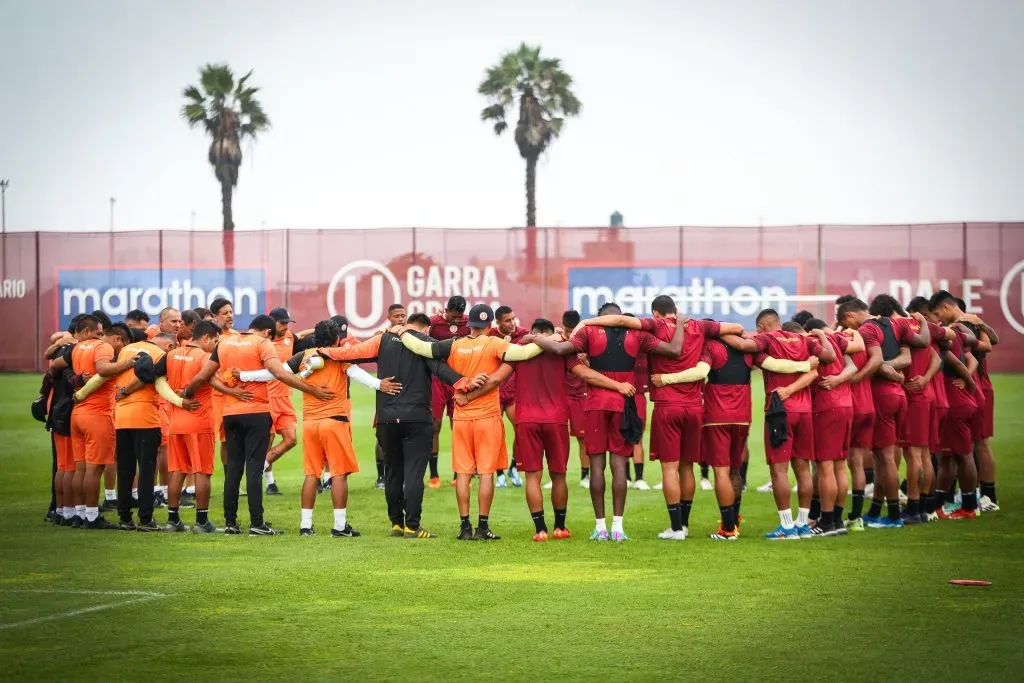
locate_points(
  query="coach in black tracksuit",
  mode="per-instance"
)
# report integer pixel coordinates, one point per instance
(405, 425)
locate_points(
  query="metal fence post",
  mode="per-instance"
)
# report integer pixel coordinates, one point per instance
(39, 297)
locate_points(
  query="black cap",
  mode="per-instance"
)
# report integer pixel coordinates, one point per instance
(456, 303)
(342, 323)
(481, 316)
(280, 315)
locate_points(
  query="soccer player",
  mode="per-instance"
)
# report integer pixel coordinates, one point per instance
(205, 314)
(282, 412)
(612, 352)
(247, 423)
(507, 327)
(918, 306)
(224, 316)
(478, 430)
(137, 319)
(188, 326)
(92, 419)
(58, 421)
(396, 316)
(576, 387)
(448, 325)
(883, 339)
(170, 321)
(641, 382)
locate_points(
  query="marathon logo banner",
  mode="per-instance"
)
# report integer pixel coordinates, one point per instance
(115, 292)
(726, 293)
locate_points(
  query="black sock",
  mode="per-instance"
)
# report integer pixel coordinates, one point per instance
(837, 514)
(172, 515)
(538, 521)
(380, 469)
(815, 512)
(894, 508)
(938, 499)
(928, 503)
(465, 522)
(433, 466)
(482, 522)
(914, 507)
(202, 516)
(675, 517)
(736, 507)
(876, 508)
(584, 472)
(704, 469)
(969, 501)
(827, 520)
(935, 464)
(743, 473)
(858, 504)
(903, 486)
(988, 488)
(500, 473)
(728, 514)
(869, 475)
(949, 497)
(560, 518)
(684, 507)
(639, 467)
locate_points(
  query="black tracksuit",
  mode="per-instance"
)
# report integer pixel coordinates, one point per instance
(405, 425)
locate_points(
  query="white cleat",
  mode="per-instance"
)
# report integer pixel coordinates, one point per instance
(641, 485)
(547, 485)
(869, 492)
(657, 487)
(502, 482)
(705, 485)
(765, 488)
(670, 535)
(585, 483)
(629, 483)
(986, 504)
(903, 499)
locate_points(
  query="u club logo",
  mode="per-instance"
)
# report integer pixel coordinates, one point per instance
(365, 315)
(1012, 291)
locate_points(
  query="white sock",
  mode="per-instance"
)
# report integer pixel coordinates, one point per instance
(307, 519)
(91, 514)
(110, 494)
(617, 524)
(68, 512)
(266, 465)
(324, 478)
(801, 516)
(786, 518)
(190, 490)
(80, 511)
(340, 518)
(269, 476)
(600, 525)
(162, 489)
(135, 494)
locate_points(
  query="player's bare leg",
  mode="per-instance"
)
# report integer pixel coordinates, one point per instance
(725, 493)
(174, 486)
(202, 486)
(91, 485)
(916, 455)
(559, 503)
(109, 489)
(307, 499)
(927, 485)
(288, 441)
(535, 502)
(462, 486)
(620, 466)
(736, 479)
(78, 491)
(638, 468)
(597, 487)
(339, 497)
(827, 492)
(671, 489)
(485, 496)
(584, 463)
(986, 464)
(804, 490)
(781, 493)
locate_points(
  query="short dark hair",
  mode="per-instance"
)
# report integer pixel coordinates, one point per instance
(87, 322)
(962, 304)
(395, 307)
(845, 298)
(663, 304)
(220, 302)
(608, 306)
(502, 311)
(326, 333)
(137, 316)
(766, 313)
(814, 324)
(850, 306)
(205, 328)
(118, 330)
(801, 317)
(570, 319)
(941, 297)
(73, 325)
(792, 326)
(456, 303)
(264, 322)
(884, 305)
(918, 304)
(543, 325)
(418, 319)
(203, 313)
(103, 318)
(189, 318)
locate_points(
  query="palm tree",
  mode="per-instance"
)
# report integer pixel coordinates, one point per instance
(543, 91)
(229, 113)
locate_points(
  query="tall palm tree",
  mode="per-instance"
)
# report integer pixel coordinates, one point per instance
(543, 91)
(229, 113)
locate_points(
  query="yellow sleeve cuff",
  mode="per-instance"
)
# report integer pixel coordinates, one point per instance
(514, 353)
(786, 367)
(94, 383)
(166, 393)
(418, 346)
(694, 374)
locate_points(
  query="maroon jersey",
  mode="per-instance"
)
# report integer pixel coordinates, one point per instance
(641, 377)
(615, 361)
(873, 335)
(920, 359)
(787, 346)
(688, 394)
(840, 397)
(957, 397)
(542, 400)
(863, 401)
(507, 390)
(727, 396)
(575, 385)
(441, 329)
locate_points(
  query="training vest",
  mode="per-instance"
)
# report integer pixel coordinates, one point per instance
(614, 357)
(890, 345)
(948, 370)
(735, 370)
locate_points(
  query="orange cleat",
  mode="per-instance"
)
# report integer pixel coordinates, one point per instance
(560, 534)
(723, 535)
(540, 537)
(963, 514)
(434, 483)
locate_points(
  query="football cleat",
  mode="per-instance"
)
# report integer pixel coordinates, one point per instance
(585, 483)
(783, 534)
(705, 485)
(601, 535)
(502, 482)
(540, 537)
(641, 485)
(100, 523)
(420, 533)
(434, 483)
(559, 534)
(263, 530)
(988, 505)
(485, 535)
(232, 530)
(466, 534)
(347, 532)
(175, 526)
(513, 474)
(673, 535)
(619, 536)
(397, 531)
(723, 535)
(272, 490)
(805, 531)
(765, 488)
(150, 527)
(307, 532)
(963, 514)
(206, 527)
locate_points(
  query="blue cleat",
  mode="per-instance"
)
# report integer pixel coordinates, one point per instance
(517, 481)
(804, 531)
(783, 534)
(892, 523)
(873, 522)
(601, 535)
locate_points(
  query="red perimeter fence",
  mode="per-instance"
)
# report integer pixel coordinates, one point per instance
(724, 273)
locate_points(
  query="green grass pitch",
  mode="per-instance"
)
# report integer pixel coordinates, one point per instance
(117, 606)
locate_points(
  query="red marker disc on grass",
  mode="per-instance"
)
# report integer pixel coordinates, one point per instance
(969, 582)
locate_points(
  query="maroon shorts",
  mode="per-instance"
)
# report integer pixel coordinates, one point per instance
(956, 437)
(577, 419)
(863, 430)
(799, 445)
(832, 430)
(917, 429)
(890, 415)
(641, 408)
(978, 421)
(938, 418)
(988, 420)
(442, 398)
(535, 440)
(722, 445)
(604, 434)
(676, 433)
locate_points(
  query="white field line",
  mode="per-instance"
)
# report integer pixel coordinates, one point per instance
(135, 597)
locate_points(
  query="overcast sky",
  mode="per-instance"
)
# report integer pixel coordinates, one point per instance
(715, 113)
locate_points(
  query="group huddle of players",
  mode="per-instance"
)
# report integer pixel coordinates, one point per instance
(858, 393)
